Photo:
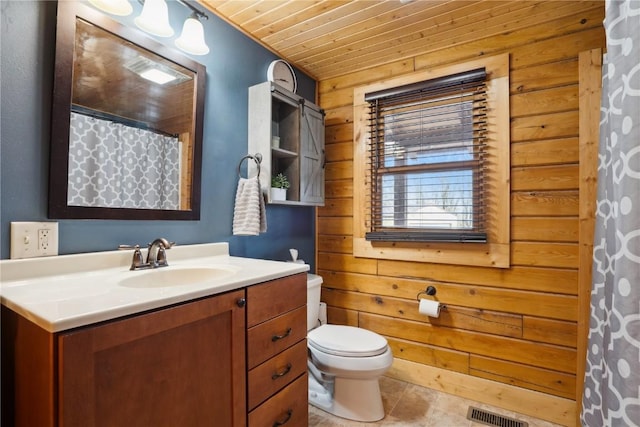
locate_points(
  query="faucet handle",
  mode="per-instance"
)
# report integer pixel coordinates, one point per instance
(137, 261)
(161, 257)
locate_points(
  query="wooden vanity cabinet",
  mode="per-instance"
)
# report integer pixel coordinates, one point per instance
(225, 360)
(176, 366)
(277, 392)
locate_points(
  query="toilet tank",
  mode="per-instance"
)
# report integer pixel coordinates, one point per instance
(314, 283)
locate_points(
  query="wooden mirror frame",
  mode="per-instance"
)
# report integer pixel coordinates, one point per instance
(61, 112)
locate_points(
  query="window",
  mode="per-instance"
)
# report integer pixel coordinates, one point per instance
(432, 161)
(426, 152)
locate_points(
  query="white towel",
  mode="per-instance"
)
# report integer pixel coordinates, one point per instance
(249, 216)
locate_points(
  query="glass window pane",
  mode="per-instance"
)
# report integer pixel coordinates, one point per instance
(428, 200)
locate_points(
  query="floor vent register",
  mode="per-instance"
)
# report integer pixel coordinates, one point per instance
(493, 419)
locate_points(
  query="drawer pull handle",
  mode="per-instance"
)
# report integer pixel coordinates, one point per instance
(283, 373)
(285, 420)
(279, 337)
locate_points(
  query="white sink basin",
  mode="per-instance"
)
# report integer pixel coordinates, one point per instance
(175, 276)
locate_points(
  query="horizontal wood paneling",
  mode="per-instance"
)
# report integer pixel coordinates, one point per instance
(430, 355)
(564, 177)
(550, 331)
(339, 151)
(392, 279)
(496, 323)
(339, 133)
(558, 73)
(544, 380)
(553, 357)
(335, 244)
(515, 326)
(544, 229)
(503, 300)
(556, 125)
(545, 152)
(339, 188)
(336, 207)
(338, 170)
(335, 225)
(564, 98)
(505, 330)
(585, 20)
(544, 203)
(542, 254)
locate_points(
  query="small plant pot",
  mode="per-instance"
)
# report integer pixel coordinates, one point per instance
(275, 142)
(278, 194)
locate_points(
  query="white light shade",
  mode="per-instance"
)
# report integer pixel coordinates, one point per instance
(154, 18)
(114, 7)
(192, 38)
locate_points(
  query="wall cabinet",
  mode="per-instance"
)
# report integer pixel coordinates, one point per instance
(197, 363)
(288, 131)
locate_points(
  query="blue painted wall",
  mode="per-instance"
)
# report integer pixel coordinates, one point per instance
(234, 63)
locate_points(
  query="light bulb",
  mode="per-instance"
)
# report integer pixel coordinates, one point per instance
(154, 18)
(114, 7)
(192, 38)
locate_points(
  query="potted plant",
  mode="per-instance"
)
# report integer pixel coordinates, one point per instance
(279, 186)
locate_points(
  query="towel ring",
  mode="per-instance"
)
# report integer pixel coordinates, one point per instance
(256, 158)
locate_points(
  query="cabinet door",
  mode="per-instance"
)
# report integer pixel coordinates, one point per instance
(311, 156)
(180, 366)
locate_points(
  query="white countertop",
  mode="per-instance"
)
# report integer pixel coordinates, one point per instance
(68, 291)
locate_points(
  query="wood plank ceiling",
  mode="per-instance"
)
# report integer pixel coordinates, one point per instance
(329, 38)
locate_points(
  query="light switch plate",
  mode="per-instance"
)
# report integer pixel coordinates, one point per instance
(34, 239)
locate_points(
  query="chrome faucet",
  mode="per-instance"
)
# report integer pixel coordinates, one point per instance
(156, 254)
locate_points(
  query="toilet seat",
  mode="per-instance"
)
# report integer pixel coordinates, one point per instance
(346, 341)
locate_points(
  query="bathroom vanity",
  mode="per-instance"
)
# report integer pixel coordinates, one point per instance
(225, 348)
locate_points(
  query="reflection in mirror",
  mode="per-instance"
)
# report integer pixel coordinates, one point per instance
(132, 108)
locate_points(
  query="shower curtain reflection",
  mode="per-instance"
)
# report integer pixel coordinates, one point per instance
(118, 166)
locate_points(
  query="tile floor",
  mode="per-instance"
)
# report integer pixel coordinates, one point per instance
(408, 405)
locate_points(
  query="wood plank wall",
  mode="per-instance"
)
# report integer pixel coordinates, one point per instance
(516, 326)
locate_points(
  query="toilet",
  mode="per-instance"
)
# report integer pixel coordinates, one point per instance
(345, 363)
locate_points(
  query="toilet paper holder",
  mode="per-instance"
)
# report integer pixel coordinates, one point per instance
(430, 291)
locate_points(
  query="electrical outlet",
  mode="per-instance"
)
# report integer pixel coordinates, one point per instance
(34, 239)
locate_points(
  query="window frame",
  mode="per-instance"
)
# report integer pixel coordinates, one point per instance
(494, 253)
(400, 112)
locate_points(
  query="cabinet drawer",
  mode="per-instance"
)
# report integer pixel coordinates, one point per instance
(287, 408)
(276, 373)
(268, 300)
(271, 337)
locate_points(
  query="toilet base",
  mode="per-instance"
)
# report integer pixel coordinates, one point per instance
(353, 399)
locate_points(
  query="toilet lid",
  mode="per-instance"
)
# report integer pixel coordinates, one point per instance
(341, 340)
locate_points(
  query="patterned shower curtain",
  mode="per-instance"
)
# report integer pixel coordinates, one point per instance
(117, 166)
(612, 378)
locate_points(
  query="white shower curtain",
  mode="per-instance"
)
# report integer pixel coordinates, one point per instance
(612, 378)
(118, 166)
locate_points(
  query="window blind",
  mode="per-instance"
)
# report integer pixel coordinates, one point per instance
(426, 160)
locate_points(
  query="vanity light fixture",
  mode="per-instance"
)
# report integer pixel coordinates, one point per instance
(114, 7)
(154, 19)
(192, 38)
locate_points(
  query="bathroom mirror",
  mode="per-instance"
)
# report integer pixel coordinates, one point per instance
(127, 119)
